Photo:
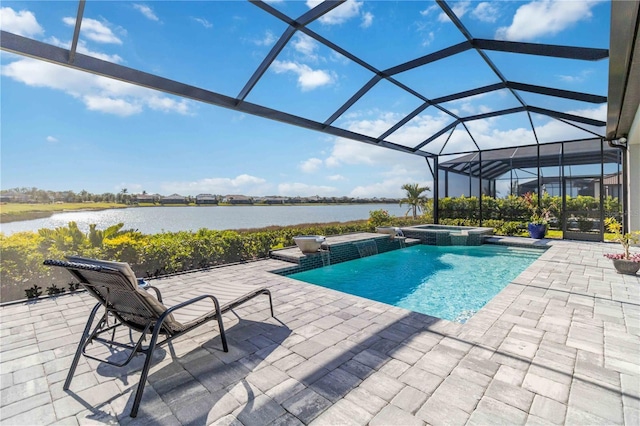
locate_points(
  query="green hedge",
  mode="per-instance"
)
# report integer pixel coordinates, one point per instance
(22, 253)
(512, 208)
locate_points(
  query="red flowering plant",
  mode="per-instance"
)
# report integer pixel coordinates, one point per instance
(540, 215)
(625, 240)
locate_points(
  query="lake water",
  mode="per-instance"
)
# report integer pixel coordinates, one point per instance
(153, 220)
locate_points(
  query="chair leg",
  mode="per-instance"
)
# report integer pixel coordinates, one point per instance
(145, 371)
(223, 336)
(270, 302)
(83, 340)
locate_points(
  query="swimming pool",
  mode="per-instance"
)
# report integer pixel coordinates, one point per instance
(449, 282)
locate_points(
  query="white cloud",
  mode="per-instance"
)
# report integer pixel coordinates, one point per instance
(336, 177)
(486, 12)
(52, 139)
(82, 48)
(367, 20)
(165, 104)
(428, 38)
(244, 179)
(23, 23)
(545, 18)
(241, 184)
(308, 78)
(472, 109)
(391, 182)
(349, 152)
(337, 57)
(598, 113)
(427, 11)
(146, 11)
(496, 138)
(459, 9)
(116, 106)
(96, 92)
(94, 30)
(305, 190)
(268, 39)
(488, 135)
(411, 134)
(339, 15)
(305, 45)
(311, 165)
(203, 22)
(580, 78)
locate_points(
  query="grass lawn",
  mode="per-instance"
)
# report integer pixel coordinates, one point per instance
(12, 212)
(556, 234)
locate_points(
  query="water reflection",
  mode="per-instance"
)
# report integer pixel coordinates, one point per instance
(152, 220)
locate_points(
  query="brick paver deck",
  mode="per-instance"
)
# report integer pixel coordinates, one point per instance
(559, 345)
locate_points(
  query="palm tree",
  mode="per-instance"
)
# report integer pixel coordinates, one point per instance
(414, 198)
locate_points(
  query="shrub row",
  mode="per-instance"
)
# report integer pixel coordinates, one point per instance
(22, 253)
(513, 208)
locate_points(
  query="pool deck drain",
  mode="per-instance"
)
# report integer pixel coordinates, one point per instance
(559, 345)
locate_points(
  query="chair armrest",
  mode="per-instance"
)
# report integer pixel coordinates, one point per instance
(191, 301)
(169, 311)
(156, 290)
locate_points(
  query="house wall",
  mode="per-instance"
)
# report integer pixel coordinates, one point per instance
(633, 168)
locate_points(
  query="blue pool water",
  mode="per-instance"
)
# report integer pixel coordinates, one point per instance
(449, 282)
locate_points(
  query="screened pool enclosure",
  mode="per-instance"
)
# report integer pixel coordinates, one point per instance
(583, 178)
(504, 124)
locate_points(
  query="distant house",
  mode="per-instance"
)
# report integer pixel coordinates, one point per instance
(206, 199)
(144, 198)
(237, 199)
(174, 199)
(14, 197)
(612, 185)
(275, 200)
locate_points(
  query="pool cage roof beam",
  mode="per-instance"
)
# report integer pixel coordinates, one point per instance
(32, 48)
(551, 113)
(76, 31)
(38, 50)
(310, 16)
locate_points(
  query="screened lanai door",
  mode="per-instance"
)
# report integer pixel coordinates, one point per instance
(582, 213)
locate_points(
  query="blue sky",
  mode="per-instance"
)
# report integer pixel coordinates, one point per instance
(62, 129)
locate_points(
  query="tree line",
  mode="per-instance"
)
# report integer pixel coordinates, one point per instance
(40, 196)
(36, 195)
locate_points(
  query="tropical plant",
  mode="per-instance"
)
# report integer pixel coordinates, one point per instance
(379, 218)
(540, 212)
(33, 292)
(625, 240)
(414, 198)
(98, 236)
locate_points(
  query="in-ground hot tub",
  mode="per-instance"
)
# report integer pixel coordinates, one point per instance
(445, 235)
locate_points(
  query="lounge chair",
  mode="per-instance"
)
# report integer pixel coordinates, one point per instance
(130, 306)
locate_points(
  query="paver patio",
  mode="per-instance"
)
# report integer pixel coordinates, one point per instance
(559, 345)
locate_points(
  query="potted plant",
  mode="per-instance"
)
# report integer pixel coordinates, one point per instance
(625, 263)
(540, 215)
